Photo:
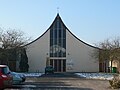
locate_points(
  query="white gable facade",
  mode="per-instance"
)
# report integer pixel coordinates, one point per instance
(61, 49)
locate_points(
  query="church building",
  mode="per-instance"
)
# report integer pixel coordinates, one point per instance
(61, 49)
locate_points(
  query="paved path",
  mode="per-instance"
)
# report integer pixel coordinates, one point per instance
(65, 81)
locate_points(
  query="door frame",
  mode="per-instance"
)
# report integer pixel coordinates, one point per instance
(58, 66)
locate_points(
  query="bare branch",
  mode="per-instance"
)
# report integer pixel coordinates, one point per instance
(13, 39)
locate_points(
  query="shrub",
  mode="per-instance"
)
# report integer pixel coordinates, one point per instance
(115, 82)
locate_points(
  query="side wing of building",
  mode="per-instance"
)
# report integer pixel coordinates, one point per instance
(37, 52)
(79, 54)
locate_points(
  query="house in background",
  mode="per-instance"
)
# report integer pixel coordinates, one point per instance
(61, 49)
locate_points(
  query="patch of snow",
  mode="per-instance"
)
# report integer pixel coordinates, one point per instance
(32, 74)
(28, 86)
(103, 76)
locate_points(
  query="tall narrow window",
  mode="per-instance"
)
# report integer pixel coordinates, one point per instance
(58, 39)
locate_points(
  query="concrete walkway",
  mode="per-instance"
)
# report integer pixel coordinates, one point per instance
(62, 81)
(60, 75)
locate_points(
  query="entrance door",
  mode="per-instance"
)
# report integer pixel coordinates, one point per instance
(58, 64)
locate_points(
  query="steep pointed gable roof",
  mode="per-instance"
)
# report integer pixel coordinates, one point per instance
(59, 18)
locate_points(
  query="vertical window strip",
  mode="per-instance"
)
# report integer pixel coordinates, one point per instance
(62, 39)
(57, 36)
(60, 55)
(53, 40)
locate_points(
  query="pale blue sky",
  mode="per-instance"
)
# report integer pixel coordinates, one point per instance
(90, 20)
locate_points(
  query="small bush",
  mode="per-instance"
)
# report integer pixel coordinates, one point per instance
(115, 82)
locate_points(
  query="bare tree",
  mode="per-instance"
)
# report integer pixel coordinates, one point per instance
(13, 39)
(109, 50)
(13, 42)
